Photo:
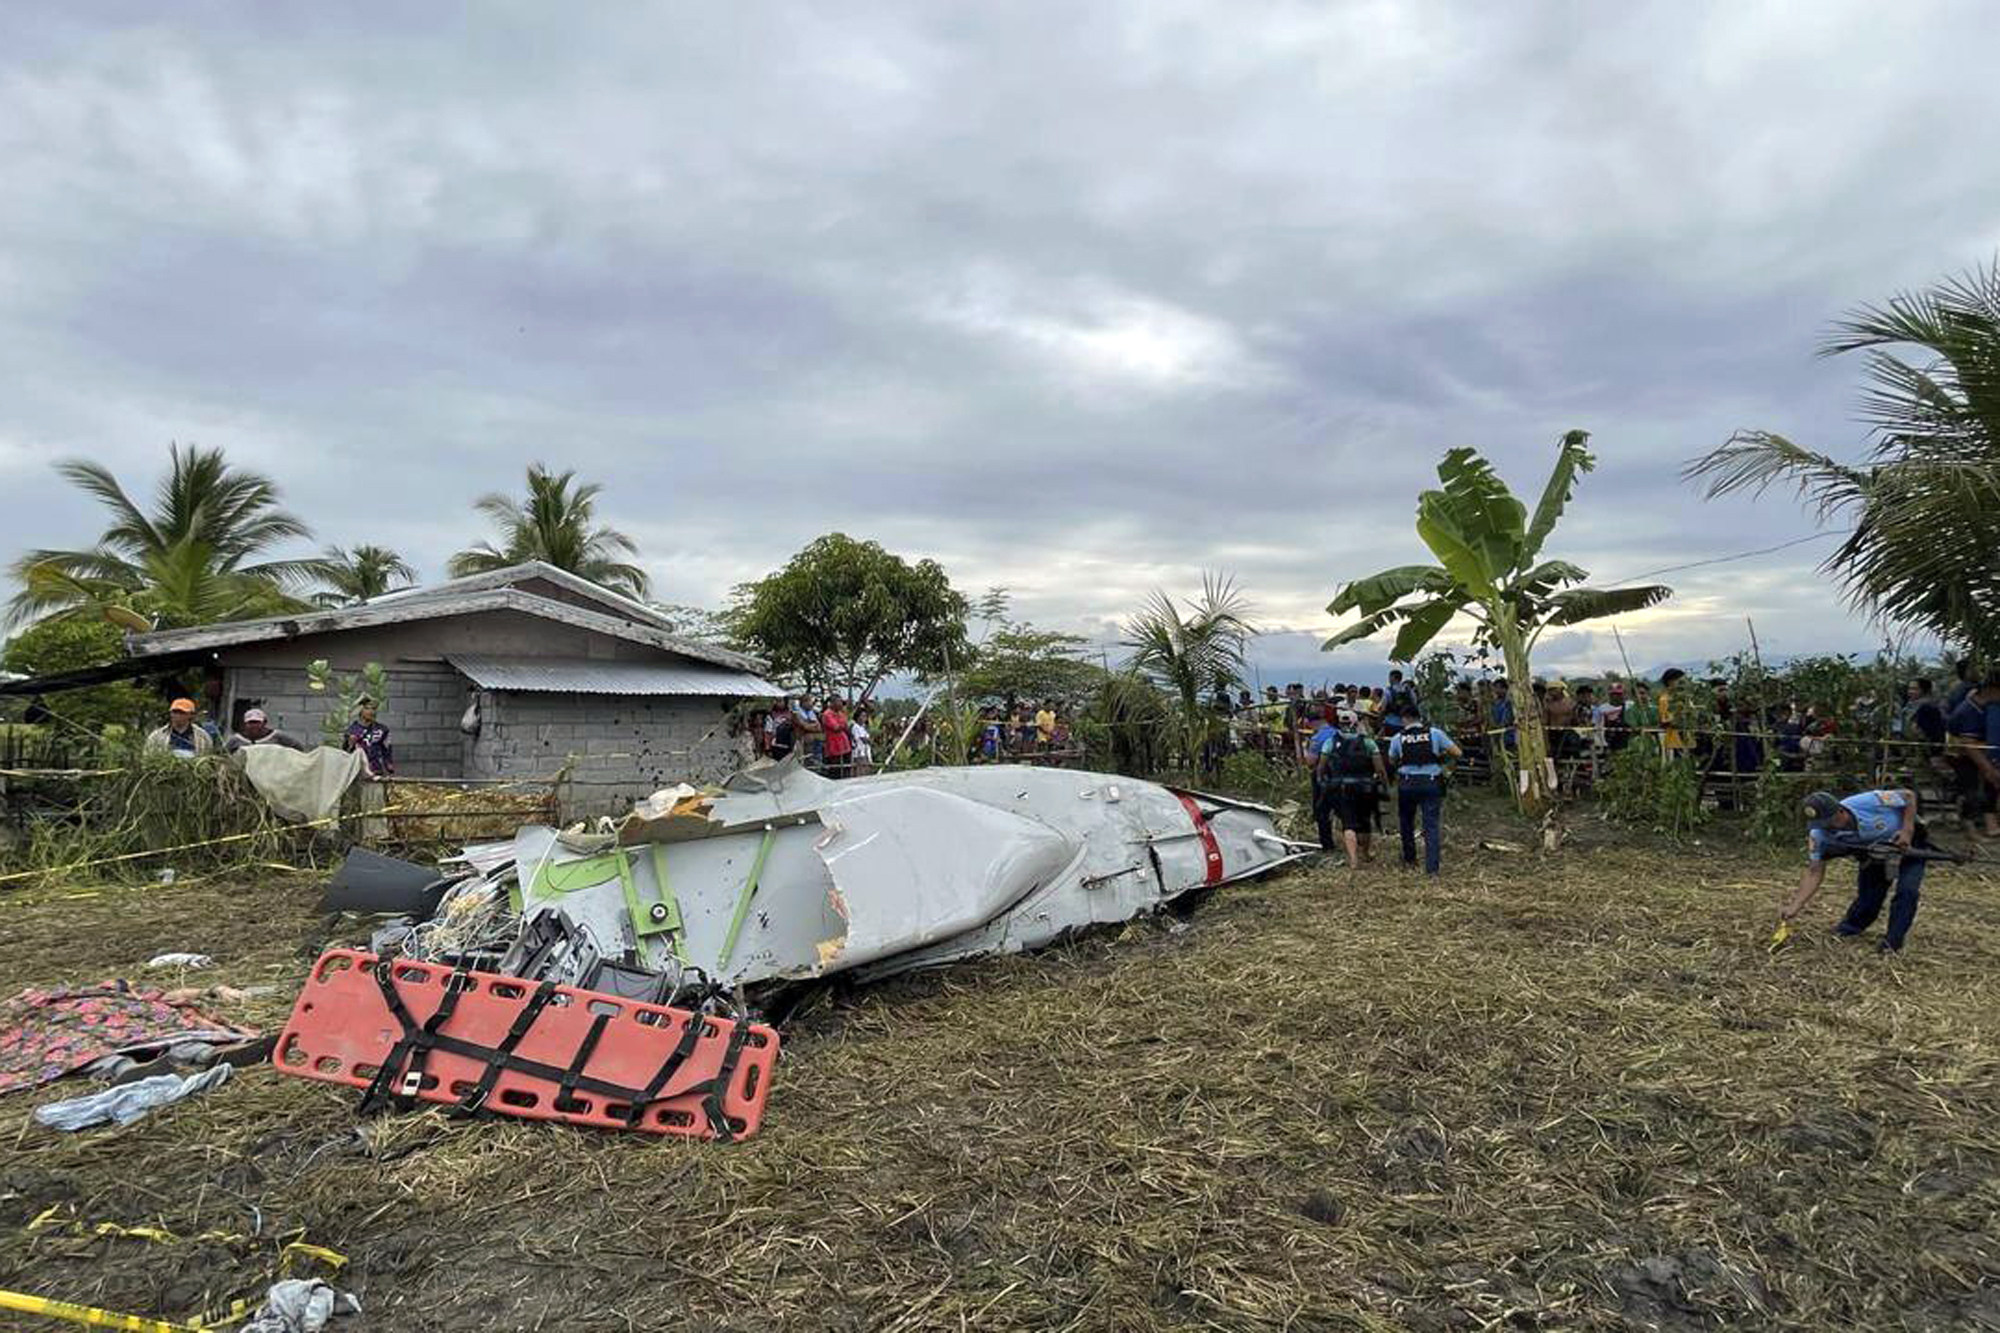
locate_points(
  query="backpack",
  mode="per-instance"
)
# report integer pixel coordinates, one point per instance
(1351, 760)
(1417, 747)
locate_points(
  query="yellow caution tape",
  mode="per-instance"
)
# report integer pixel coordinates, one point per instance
(89, 1314)
(331, 1258)
(47, 1220)
(85, 1314)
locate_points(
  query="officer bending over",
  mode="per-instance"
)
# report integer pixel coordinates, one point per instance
(1873, 825)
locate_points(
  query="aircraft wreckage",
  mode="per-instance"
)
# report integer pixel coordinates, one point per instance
(572, 974)
(787, 875)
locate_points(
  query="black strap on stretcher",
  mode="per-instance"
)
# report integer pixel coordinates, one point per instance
(418, 1040)
(497, 1057)
(415, 1044)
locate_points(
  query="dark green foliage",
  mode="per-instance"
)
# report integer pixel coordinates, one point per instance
(193, 558)
(362, 573)
(1924, 507)
(1126, 726)
(844, 614)
(68, 643)
(1018, 661)
(1660, 794)
(1490, 570)
(1190, 652)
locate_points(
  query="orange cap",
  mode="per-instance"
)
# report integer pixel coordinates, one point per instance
(181, 706)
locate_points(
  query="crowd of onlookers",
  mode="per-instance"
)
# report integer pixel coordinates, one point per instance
(830, 735)
(1023, 732)
(840, 741)
(1952, 734)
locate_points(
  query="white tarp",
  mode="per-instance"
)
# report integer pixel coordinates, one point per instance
(297, 785)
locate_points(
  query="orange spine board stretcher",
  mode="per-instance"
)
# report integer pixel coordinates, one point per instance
(343, 1028)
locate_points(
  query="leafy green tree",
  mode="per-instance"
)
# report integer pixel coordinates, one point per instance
(1925, 504)
(356, 575)
(1490, 570)
(1191, 651)
(70, 643)
(194, 557)
(1018, 661)
(557, 525)
(844, 614)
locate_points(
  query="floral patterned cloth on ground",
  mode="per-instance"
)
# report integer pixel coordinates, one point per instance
(45, 1034)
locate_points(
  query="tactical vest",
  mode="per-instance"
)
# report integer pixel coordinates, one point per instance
(1351, 758)
(1417, 748)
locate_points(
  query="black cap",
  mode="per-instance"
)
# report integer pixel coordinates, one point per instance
(1820, 806)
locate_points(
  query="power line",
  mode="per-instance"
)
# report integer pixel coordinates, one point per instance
(1725, 559)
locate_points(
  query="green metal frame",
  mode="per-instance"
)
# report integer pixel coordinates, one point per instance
(589, 872)
(743, 899)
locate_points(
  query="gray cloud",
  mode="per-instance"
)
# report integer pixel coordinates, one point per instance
(1079, 300)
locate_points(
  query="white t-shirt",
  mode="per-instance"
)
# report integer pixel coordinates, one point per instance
(864, 745)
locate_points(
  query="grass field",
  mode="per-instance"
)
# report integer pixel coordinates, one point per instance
(1569, 1092)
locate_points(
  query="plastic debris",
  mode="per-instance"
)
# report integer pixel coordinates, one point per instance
(187, 960)
(131, 1101)
(300, 1305)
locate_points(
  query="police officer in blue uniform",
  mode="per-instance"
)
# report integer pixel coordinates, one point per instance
(1418, 754)
(1875, 824)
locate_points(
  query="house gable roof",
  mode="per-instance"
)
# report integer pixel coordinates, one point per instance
(438, 605)
(513, 576)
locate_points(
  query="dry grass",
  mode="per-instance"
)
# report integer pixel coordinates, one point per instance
(1567, 1093)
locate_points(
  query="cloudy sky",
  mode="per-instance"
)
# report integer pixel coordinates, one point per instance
(1078, 299)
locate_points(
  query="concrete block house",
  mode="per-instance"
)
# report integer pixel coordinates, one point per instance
(563, 673)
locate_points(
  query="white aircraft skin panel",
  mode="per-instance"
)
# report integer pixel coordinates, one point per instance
(969, 863)
(905, 870)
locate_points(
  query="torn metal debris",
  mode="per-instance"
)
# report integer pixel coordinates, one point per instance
(785, 875)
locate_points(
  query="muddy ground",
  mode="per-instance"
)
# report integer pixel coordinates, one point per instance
(1564, 1093)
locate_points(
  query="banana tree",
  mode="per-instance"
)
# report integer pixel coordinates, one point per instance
(1489, 569)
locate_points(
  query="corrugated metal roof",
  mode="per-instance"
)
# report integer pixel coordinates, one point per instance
(573, 675)
(436, 606)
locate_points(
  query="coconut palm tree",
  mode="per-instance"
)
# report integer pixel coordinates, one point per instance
(556, 525)
(1490, 570)
(1925, 503)
(195, 556)
(1185, 650)
(364, 572)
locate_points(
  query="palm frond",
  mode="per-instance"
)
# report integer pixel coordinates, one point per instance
(1573, 459)
(131, 531)
(1423, 625)
(481, 559)
(1369, 626)
(1755, 461)
(1545, 578)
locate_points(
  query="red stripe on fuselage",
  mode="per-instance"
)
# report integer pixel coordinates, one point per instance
(1209, 850)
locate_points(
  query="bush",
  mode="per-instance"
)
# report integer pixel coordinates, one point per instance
(1663, 795)
(1252, 777)
(155, 803)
